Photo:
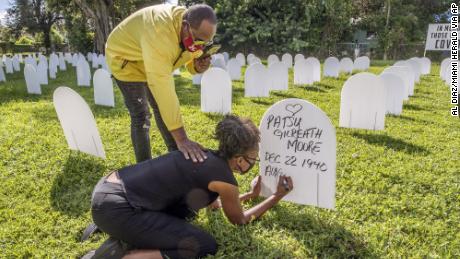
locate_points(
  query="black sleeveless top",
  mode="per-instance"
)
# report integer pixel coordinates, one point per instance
(172, 184)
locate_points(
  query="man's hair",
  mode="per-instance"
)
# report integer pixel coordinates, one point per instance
(196, 14)
(236, 136)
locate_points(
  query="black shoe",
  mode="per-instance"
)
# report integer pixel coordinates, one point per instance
(89, 231)
(111, 249)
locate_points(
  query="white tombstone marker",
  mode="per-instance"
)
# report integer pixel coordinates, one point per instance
(363, 103)
(331, 67)
(75, 59)
(32, 80)
(412, 68)
(176, 72)
(77, 121)
(272, 59)
(287, 60)
(300, 73)
(103, 88)
(16, 64)
(216, 91)
(89, 56)
(444, 72)
(417, 67)
(406, 74)
(298, 140)
(298, 57)
(220, 63)
(346, 65)
(362, 63)
(226, 56)
(241, 59)
(196, 79)
(31, 61)
(9, 65)
(278, 76)
(234, 69)
(426, 65)
(317, 68)
(62, 63)
(83, 73)
(256, 83)
(42, 71)
(2, 75)
(254, 60)
(394, 88)
(250, 56)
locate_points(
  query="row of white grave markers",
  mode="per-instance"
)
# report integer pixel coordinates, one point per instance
(299, 140)
(367, 98)
(306, 71)
(445, 71)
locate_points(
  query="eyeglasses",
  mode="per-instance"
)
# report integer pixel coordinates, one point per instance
(246, 158)
(198, 42)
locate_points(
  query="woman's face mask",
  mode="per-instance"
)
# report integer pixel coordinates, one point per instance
(248, 161)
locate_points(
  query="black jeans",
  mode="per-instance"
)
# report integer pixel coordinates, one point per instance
(137, 97)
(142, 229)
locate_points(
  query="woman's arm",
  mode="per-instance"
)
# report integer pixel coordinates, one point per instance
(252, 194)
(231, 204)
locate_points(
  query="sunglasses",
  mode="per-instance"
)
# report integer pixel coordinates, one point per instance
(198, 42)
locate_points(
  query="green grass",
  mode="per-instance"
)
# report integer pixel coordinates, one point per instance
(397, 189)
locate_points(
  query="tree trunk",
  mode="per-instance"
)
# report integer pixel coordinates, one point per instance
(47, 38)
(387, 29)
(99, 13)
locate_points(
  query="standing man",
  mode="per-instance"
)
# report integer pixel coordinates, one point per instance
(142, 52)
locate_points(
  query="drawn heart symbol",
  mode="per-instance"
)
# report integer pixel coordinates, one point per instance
(294, 108)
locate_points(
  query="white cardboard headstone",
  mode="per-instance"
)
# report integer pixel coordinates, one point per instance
(241, 59)
(234, 69)
(278, 76)
(416, 66)
(196, 79)
(445, 64)
(83, 73)
(331, 67)
(176, 72)
(2, 75)
(394, 88)
(300, 73)
(317, 68)
(62, 63)
(272, 59)
(216, 91)
(75, 59)
(411, 67)
(42, 71)
(226, 56)
(363, 103)
(426, 65)
(103, 88)
(16, 64)
(406, 74)
(256, 82)
(219, 62)
(298, 140)
(250, 56)
(9, 65)
(254, 60)
(32, 80)
(77, 122)
(287, 60)
(361, 63)
(346, 65)
(298, 57)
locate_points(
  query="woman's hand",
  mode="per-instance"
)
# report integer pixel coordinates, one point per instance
(284, 186)
(256, 186)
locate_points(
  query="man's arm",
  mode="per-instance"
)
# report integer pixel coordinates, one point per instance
(158, 69)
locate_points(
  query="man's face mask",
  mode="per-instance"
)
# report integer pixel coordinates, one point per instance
(190, 43)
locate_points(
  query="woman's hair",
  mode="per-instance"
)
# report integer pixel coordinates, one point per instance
(236, 136)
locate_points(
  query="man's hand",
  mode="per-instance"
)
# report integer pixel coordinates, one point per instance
(189, 148)
(202, 64)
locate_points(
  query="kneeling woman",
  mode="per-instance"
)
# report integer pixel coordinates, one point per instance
(144, 207)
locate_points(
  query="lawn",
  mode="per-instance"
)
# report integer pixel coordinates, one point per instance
(398, 190)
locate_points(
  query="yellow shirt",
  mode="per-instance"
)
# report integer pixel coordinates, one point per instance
(145, 47)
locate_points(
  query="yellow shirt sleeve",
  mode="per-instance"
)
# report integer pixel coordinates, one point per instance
(158, 70)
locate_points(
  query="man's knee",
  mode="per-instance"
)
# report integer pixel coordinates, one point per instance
(141, 119)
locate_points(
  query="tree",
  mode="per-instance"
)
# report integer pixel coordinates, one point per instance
(33, 15)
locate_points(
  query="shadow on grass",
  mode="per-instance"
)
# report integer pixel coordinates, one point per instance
(413, 107)
(392, 143)
(261, 101)
(72, 187)
(314, 88)
(323, 239)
